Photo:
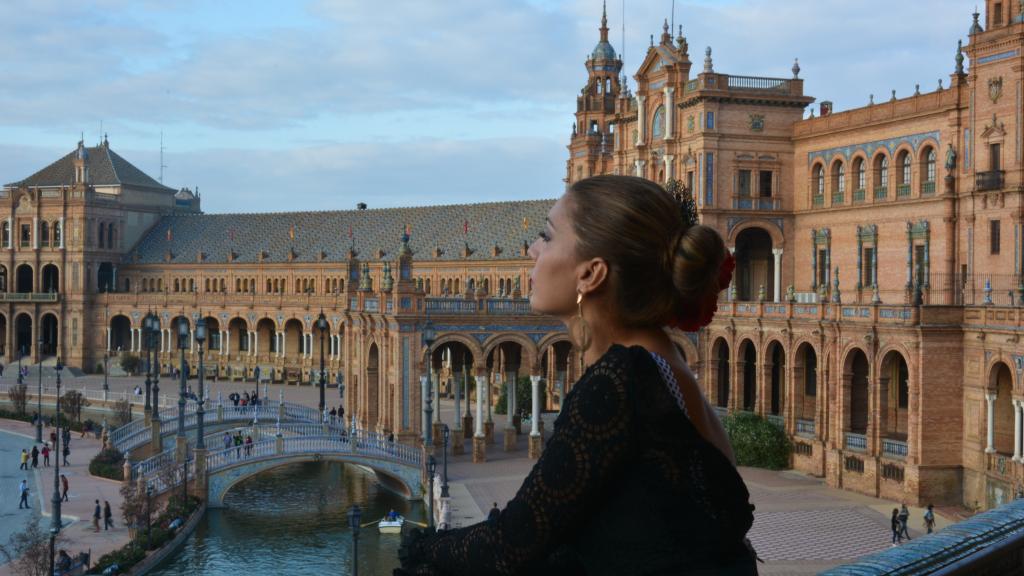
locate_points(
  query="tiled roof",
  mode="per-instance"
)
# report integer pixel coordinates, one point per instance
(106, 168)
(505, 224)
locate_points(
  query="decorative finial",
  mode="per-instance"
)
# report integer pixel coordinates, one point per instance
(975, 26)
(796, 68)
(893, 95)
(652, 40)
(959, 57)
(708, 66)
(917, 89)
(940, 84)
(871, 100)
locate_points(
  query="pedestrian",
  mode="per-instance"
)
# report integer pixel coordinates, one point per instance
(35, 456)
(248, 446)
(1, 370)
(46, 454)
(67, 452)
(334, 414)
(492, 516)
(238, 445)
(64, 488)
(108, 516)
(929, 519)
(65, 437)
(53, 437)
(226, 440)
(897, 537)
(904, 518)
(23, 489)
(24, 460)
(96, 517)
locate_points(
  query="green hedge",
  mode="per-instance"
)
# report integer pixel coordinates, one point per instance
(27, 417)
(108, 463)
(757, 442)
(159, 535)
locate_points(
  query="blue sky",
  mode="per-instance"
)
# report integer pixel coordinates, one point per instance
(320, 104)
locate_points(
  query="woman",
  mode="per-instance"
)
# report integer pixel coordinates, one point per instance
(639, 476)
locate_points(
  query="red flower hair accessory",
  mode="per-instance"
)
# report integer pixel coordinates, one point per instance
(701, 315)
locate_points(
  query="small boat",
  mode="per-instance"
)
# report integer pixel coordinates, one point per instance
(391, 526)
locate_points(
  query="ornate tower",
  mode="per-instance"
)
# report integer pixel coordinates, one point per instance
(593, 132)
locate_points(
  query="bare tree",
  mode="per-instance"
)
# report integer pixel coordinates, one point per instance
(122, 412)
(72, 403)
(18, 395)
(28, 551)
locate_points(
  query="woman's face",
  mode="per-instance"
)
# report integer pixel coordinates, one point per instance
(555, 261)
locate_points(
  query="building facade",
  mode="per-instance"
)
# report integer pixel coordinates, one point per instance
(875, 313)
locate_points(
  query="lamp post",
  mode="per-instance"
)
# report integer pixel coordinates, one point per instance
(182, 442)
(444, 458)
(149, 504)
(321, 325)
(147, 344)
(154, 333)
(200, 413)
(55, 520)
(431, 470)
(21, 354)
(39, 397)
(429, 336)
(354, 516)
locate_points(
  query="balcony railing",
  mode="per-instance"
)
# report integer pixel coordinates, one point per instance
(992, 180)
(894, 448)
(928, 189)
(903, 190)
(776, 420)
(819, 201)
(881, 192)
(758, 83)
(756, 203)
(838, 198)
(29, 297)
(856, 441)
(804, 427)
(858, 195)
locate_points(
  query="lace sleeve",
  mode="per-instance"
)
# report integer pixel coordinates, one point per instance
(589, 445)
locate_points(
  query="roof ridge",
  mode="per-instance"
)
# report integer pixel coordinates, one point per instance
(337, 211)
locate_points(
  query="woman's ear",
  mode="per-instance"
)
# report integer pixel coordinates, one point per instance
(591, 275)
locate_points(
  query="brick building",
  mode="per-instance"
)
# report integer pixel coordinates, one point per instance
(875, 313)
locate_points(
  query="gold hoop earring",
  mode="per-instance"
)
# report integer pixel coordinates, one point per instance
(582, 337)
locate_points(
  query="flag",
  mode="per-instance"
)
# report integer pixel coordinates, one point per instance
(170, 235)
(408, 230)
(349, 231)
(465, 227)
(291, 232)
(526, 224)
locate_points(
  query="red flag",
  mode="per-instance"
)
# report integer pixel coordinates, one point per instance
(350, 232)
(465, 227)
(170, 235)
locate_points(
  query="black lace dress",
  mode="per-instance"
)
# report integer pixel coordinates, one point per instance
(625, 485)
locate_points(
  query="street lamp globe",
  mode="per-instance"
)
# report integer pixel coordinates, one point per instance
(182, 334)
(321, 322)
(429, 334)
(200, 331)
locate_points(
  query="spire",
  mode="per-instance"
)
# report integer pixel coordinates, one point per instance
(975, 26)
(959, 57)
(604, 21)
(666, 35)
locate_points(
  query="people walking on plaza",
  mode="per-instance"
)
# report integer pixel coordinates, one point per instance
(618, 261)
(248, 445)
(929, 519)
(46, 454)
(64, 488)
(66, 453)
(238, 445)
(24, 460)
(897, 527)
(23, 490)
(53, 436)
(226, 439)
(35, 456)
(904, 519)
(65, 436)
(96, 517)
(108, 516)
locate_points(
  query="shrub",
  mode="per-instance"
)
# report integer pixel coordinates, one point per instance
(18, 395)
(108, 463)
(72, 403)
(130, 363)
(122, 412)
(757, 442)
(524, 396)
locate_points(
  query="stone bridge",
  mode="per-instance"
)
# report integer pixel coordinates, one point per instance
(398, 466)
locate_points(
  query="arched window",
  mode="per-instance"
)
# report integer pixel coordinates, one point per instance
(111, 236)
(929, 166)
(881, 176)
(100, 238)
(44, 234)
(838, 182)
(903, 177)
(658, 124)
(859, 173)
(819, 181)
(58, 234)
(5, 234)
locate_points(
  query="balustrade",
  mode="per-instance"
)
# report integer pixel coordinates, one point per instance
(856, 441)
(894, 448)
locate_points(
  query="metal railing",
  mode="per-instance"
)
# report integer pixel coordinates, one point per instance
(856, 441)
(838, 198)
(881, 192)
(858, 195)
(758, 83)
(992, 180)
(777, 420)
(903, 190)
(927, 188)
(29, 297)
(818, 200)
(804, 427)
(756, 203)
(894, 448)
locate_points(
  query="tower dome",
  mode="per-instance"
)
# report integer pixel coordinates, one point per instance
(603, 50)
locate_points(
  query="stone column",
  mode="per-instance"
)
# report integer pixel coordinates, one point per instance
(641, 119)
(510, 431)
(777, 252)
(669, 112)
(536, 442)
(479, 441)
(457, 438)
(991, 429)
(1016, 430)
(108, 338)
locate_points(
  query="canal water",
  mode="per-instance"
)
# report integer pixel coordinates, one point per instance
(293, 520)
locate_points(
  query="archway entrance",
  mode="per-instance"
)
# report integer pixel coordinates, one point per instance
(755, 266)
(48, 335)
(858, 370)
(23, 335)
(105, 278)
(805, 384)
(748, 367)
(777, 370)
(121, 333)
(1003, 412)
(24, 279)
(51, 278)
(895, 396)
(372, 386)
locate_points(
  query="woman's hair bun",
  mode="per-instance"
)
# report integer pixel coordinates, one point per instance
(698, 257)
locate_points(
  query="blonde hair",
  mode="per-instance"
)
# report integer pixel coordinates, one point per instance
(660, 268)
